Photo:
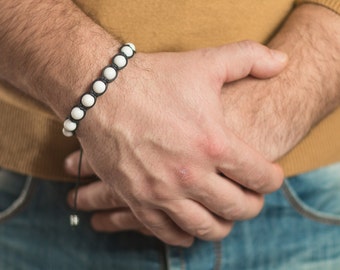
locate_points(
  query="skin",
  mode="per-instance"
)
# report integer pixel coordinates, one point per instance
(160, 143)
(271, 115)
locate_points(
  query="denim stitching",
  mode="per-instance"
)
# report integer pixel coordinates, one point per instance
(168, 254)
(304, 210)
(218, 255)
(182, 259)
(20, 202)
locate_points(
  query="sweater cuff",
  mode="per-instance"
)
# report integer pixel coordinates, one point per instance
(330, 4)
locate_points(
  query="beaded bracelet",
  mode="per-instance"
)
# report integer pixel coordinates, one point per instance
(98, 88)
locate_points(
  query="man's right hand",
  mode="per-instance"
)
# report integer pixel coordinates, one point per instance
(158, 139)
(158, 136)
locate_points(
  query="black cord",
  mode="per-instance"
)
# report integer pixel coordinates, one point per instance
(74, 219)
(78, 181)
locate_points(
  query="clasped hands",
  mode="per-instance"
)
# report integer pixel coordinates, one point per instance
(168, 162)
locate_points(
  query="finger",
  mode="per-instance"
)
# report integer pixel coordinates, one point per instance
(197, 220)
(96, 196)
(238, 60)
(72, 163)
(145, 232)
(116, 221)
(247, 167)
(159, 224)
(224, 198)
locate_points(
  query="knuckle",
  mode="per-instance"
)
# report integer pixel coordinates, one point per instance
(248, 46)
(236, 211)
(257, 179)
(258, 184)
(185, 176)
(157, 193)
(245, 209)
(203, 231)
(264, 183)
(213, 146)
(118, 221)
(147, 194)
(216, 149)
(153, 221)
(110, 199)
(208, 232)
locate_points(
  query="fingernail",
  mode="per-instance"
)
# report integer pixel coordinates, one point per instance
(279, 56)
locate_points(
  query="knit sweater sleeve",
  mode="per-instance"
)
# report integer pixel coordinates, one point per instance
(331, 4)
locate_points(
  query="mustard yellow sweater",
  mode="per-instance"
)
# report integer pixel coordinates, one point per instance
(30, 137)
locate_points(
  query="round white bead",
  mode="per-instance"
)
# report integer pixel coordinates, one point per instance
(70, 125)
(77, 113)
(67, 133)
(88, 100)
(127, 50)
(119, 61)
(110, 73)
(99, 87)
(132, 46)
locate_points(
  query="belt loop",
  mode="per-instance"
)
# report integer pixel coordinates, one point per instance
(20, 201)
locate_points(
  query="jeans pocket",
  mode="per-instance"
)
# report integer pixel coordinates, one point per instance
(316, 194)
(15, 191)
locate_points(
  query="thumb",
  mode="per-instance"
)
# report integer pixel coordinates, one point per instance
(238, 60)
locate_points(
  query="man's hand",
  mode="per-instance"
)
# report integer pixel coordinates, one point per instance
(275, 114)
(158, 136)
(171, 158)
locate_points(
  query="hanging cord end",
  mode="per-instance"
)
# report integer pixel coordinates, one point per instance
(74, 218)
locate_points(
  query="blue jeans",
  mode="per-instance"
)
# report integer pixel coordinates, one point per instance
(299, 228)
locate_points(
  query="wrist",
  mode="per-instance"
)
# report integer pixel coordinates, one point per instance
(98, 88)
(74, 77)
(109, 106)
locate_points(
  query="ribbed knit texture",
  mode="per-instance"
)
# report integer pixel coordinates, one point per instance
(30, 135)
(331, 4)
(31, 145)
(320, 148)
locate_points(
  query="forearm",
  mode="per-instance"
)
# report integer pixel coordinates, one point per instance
(311, 37)
(275, 114)
(51, 50)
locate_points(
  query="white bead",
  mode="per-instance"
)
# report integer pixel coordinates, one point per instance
(120, 61)
(88, 100)
(67, 133)
(132, 46)
(110, 73)
(77, 113)
(127, 50)
(74, 220)
(70, 125)
(99, 87)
